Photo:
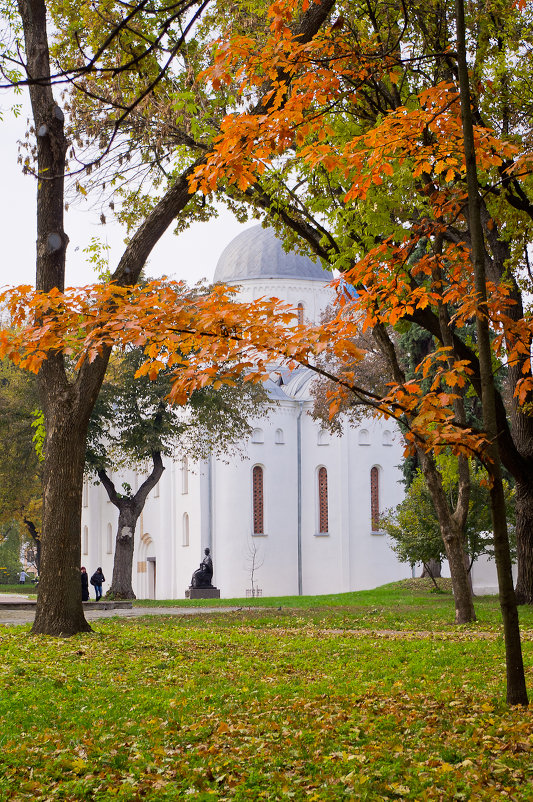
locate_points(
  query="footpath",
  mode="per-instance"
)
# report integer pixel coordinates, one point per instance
(18, 609)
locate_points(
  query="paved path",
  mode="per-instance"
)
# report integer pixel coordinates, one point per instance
(10, 616)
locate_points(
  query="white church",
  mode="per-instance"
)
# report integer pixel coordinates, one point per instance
(300, 514)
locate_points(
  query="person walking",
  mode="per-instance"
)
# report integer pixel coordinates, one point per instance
(97, 580)
(84, 584)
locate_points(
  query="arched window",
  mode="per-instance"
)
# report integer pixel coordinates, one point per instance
(258, 436)
(109, 545)
(323, 438)
(322, 501)
(300, 314)
(258, 501)
(85, 540)
(364, 437)
(184, 475)
(279, 437)
(85, 495)
(185, 534)
(374, 499)
(387, 437)
(156, 491)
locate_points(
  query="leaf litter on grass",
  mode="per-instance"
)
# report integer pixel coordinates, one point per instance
(171, 709)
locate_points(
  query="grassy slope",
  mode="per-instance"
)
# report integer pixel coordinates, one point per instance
(412, 603)
(269, 704)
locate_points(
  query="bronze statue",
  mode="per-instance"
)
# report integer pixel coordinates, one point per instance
(203, 575)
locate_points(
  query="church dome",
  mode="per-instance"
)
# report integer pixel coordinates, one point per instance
(257, 253)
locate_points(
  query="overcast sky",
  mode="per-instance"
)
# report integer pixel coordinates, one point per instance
(190, 256)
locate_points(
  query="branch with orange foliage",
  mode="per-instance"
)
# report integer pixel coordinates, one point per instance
(213, 338)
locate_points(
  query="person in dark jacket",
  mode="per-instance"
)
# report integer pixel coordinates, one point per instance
(97, 580)
(84, 585)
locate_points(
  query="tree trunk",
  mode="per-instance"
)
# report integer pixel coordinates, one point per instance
(121, 585)
(432, 569)
(59, 605)
(452, 536)
(451, 523)
(129, 510)
(524, 541)
(516, 684)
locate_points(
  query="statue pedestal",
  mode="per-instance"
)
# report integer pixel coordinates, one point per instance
(202, 593)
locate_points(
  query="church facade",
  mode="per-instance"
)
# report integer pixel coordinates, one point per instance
(300, 513)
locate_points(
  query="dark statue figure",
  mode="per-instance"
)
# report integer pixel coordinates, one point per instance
(203, 576)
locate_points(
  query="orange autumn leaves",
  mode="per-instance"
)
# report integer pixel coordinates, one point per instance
(308, 87)
(207, 338)
(213, 338)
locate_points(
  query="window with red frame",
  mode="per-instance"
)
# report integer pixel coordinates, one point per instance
(258, 500)
(374, 499)
(323, 501)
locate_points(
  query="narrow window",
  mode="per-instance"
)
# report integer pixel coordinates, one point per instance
(185, 540)
(258, 502)
(322, 501)
(156, 491)
(374, 499)
(85, 541)
(300, 314)
(279, 437)
(258, 436)
(184, 475)
(109, 548)
(85, 496)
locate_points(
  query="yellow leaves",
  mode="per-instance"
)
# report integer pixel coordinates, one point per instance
(78, 765)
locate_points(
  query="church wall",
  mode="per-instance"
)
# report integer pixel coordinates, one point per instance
(348, 557)
(376, 443)
(234, 543)
(322, 553)
(160, 534)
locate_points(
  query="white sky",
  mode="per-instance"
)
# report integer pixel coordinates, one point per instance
(191, 255)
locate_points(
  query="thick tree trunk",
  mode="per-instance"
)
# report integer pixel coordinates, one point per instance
(524, 541)
(59, 605)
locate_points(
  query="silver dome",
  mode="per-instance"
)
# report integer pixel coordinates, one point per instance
(257, 253)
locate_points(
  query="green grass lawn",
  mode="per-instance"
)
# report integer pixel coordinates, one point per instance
(363, 696)
(27, 587)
